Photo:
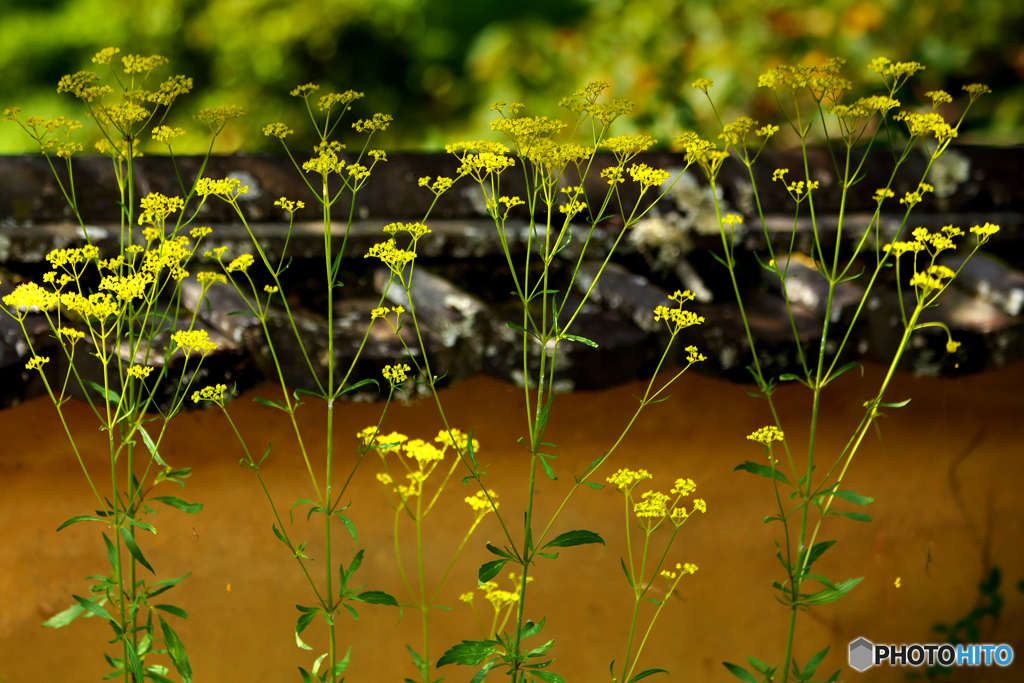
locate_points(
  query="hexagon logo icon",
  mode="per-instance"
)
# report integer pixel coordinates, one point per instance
(861, 654)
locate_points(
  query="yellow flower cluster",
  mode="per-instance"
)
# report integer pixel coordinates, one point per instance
(214, 393)
(390, 255)
(681, 569)
(383, 311)
(647, 177)
(395, 374)
(416, 230)
(227, 189)
(456, 439)
(36, 363)
(678, 318)
(127, 287)
(167, 135)
(139, 371)
(288, 205)
(652, 504)
(331, 100)
(439, 186)
(735, 133)
(29, 296)
(277, 130)
(625, 147)
(912, 199)
(373, 124)
(194, 340)
(240, 264)
(766, 435)
(480, 504)
(626, 479)
(216, 117)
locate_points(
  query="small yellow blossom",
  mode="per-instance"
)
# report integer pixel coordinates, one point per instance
(36, 363)
(626, 479)
(684, 487)
(240, 264)
(467, 597)
(395, 374)
(194, 340)
(214, 393)
(270, 289)
(139, 371)
(652, 504)
(480, 504)
(456, 439)
(766, 435)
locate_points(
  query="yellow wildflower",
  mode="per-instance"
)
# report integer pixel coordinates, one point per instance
(480, 504)
(240, 264)
(37, 363)
(626, 479)
(139, 371)
(194, 340)
(766, 435)
(653, 504)
(395, 374)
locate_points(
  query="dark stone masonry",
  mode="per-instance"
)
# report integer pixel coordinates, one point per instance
(464, 284)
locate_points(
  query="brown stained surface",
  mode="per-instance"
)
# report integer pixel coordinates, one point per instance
(724, 612)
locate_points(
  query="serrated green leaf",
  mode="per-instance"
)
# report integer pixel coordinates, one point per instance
(573, 538)
(531, 629)
(190, 508)
(816, 551)
(486, 669)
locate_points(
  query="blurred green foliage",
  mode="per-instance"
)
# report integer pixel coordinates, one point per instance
(436, 65)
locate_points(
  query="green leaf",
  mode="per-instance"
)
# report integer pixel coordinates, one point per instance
(300, 501)
(109, 394)
(307, 616)
(816, 551)
(134, 665)
(900, 404)
(645, 674)
(550, 556)
(486, 669)
(763, 470)
(531, 629)
(62, 619)
(416, 659)
(575, 537)
(494, 550)
(855, 516)
(151, 446)
(854, 498)
(377, 598)
(357, 561)
(306, 678)
(538, 651)
(468, 652)
(190, 508)
(582, 340)
(488, 570)
(546, 676)
(133, 548)
(111, 552)
(812, 664)
(830, 593)
(171, 609)
(349, 525)
(361, 383)
(176, 651)
(740, 673)
(79, 518)
(789, 377)
(594, 485)
(280, 535)
(270, 403)
(342, 664)
(547, 467)
(165, 585)
(626, 572)
(848, 366)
